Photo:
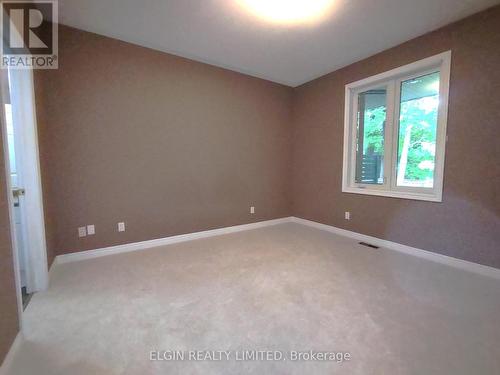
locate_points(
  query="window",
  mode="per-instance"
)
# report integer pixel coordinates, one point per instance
(395, 131)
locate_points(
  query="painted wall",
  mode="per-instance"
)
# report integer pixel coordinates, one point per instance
(9, 325)
(466, 224)
(165, 144)
(173, 146)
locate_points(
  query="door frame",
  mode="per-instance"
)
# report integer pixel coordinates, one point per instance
(34, 224)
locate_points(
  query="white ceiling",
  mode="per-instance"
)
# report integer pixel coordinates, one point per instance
(222, 33)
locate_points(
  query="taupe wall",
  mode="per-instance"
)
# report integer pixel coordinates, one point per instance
(467, 224)
(173, 146)
(8, 304)
(165, 144)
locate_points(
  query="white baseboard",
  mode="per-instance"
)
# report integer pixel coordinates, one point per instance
(82, 255)
(136, 246)
(434, 257)
(7, 362)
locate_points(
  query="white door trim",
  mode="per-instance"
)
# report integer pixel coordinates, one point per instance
(32, 184)
(10, 202)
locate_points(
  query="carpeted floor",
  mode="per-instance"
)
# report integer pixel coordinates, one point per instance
(282, 288)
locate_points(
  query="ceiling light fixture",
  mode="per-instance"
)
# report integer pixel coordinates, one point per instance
(289, 11)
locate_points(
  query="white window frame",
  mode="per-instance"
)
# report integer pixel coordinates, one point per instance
(392, 81)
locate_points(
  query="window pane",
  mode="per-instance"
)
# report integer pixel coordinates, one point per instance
(370, 127)
(417, 131)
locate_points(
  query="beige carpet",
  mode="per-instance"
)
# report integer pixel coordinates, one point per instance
(282, 288)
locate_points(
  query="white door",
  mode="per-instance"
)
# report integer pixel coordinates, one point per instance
(16, 190)
(23, 169)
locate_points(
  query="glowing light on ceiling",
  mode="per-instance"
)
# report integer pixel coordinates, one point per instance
(289, 11)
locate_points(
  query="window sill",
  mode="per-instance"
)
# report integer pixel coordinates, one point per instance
(436, 197)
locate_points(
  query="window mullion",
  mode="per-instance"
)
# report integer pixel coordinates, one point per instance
(390, 130)
(395, 134)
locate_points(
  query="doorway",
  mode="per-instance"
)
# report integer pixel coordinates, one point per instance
(19, 133)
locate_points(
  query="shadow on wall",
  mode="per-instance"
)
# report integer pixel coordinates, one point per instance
(458, 225)
(466, 224)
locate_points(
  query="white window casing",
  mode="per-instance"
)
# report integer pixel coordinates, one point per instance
(391, 82)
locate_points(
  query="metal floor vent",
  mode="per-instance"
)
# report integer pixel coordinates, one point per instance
(369, 245)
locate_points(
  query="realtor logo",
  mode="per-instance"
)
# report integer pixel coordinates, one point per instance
(29, 34)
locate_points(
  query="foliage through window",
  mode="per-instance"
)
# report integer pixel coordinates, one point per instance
(395, 131)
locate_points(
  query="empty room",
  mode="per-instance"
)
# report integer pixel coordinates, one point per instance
(250, 187)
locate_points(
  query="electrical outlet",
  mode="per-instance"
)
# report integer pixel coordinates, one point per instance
(347, 215)
(82, 232)
(90, 230)
(252, 210)
(121, 227)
